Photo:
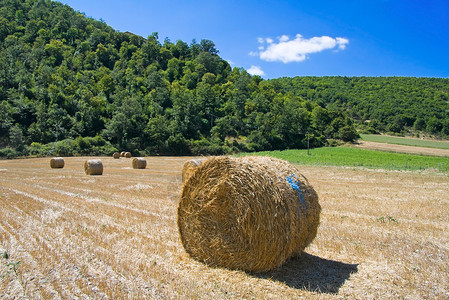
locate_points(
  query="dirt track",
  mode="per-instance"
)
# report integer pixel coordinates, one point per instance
(69, 235)
(402, 148)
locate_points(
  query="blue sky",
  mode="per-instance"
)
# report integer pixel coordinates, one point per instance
(298, 38)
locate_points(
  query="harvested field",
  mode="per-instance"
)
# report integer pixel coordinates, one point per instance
(383, 234)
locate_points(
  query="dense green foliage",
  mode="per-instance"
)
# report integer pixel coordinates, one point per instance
(64, 77)
(71, 85)
(355, 157)
(379, 104)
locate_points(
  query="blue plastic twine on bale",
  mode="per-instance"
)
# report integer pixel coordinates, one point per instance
(296, 185)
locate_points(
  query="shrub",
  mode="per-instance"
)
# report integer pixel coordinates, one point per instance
(93, 146)
(65, 148)
(348, 134)
(207, 147)
(35, 148)
(177, 145)
(8, 153)
(369, 130)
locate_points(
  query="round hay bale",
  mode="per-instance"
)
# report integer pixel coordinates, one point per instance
(190, 167)
(247, 213)
(122, 154)
(116, 155)
(93, 167)
(139, 163)
(127, 154)
(57, 162)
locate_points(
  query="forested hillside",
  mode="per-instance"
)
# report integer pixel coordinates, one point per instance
(72, 85)
(379, 104)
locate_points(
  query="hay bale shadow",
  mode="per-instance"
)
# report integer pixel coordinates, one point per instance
(312, 273)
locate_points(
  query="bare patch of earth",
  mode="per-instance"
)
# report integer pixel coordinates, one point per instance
(402, 148)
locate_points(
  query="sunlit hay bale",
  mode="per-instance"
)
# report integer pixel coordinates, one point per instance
(139, 163)
(93, 167)
(116, 155)
(57, 162)
(189, 168)
(243, 213)
(127, 154)
(122, 154)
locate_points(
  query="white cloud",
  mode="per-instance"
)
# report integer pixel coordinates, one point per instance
(284, 38)
(298, 49)
(256, 70)
(341, 42)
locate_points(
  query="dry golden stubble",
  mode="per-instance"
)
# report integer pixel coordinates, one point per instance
(392, 225)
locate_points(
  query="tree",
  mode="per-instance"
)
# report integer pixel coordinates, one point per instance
(127, 125)
(16, 139)
(54, 50)
(157, 132)
(116, 129)
(434, 125)
(291, 124)
(419, 124)
(445, 129)
(348, 134)
(208, 46)
(67, 77)
(320, 118)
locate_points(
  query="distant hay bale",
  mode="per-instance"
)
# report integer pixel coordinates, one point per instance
(93, 167)
(139, 163)
(190, 167)
(127, 154)
(122, 154)
(57, 162)
(247, 213)
(116, 155)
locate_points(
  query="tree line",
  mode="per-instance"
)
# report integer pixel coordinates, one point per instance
(72, 85)
(398, 105)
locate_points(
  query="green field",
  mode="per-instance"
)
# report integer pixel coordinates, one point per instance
(404, 141)
(354, 157)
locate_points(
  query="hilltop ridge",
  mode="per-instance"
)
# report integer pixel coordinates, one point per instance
(72, 85)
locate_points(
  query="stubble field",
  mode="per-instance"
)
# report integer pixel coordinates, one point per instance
(63, 234)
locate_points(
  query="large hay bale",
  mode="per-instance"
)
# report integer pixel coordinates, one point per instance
(139, 163)
(247, 213)
(189, 168)
(122, 154)
(57, 162)
(116, 155)
(93, 167)
(127, 154)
